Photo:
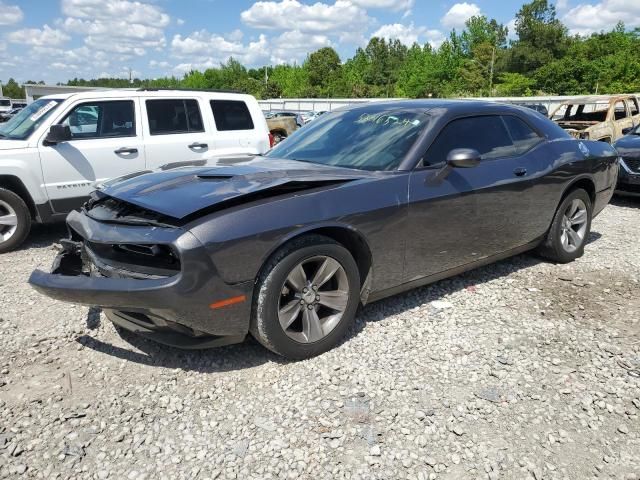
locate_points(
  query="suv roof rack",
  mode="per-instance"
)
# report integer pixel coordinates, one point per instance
(180, 89)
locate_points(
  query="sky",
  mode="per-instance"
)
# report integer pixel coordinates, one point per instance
(56, 40)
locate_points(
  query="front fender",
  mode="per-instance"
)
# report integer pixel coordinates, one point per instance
(24, 165)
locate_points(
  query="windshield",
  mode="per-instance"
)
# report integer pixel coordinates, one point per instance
(22, 125)
(374, 138)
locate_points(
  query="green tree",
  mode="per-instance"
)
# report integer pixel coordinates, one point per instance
(541, 38)
(12, 89)
(322, 65)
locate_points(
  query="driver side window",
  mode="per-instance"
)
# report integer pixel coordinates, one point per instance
(101, 120)
(487, 134)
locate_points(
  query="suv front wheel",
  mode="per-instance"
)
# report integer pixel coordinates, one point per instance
(15, 220)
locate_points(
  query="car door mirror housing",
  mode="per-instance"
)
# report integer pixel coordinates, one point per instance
(463, 158)
(58, 134)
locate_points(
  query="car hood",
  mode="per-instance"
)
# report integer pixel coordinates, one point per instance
(628, 146)
(12, 144)
(181, 189)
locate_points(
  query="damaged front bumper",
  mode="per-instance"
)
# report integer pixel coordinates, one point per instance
(113, 267)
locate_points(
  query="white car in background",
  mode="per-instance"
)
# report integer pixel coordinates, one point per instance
(56, 150)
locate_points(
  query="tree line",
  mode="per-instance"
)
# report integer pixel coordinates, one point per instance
(481, 60)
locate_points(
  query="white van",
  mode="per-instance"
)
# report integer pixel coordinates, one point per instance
(54, 152)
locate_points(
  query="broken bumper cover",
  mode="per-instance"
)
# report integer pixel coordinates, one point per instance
(179, 309)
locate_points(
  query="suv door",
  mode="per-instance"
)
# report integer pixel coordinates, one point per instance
(106, 142)
(472, 213)
(175, 131)
(235, 130)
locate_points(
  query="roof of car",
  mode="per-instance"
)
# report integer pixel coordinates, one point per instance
(441, 104)
(149, 93)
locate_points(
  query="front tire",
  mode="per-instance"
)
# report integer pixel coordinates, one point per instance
(570, 228)
(15, 220)
(306, 299)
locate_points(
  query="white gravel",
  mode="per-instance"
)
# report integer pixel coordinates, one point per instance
(519, 370)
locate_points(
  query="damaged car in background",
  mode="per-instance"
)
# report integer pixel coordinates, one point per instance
(604, 119)
(361, 204)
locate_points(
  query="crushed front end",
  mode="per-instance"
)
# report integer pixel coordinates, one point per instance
(150, 277)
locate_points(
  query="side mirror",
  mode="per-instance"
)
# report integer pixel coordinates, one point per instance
(58, 134)
(463, 158)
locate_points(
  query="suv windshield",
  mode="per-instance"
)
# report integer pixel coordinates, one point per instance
(31, 117)
(374, 138)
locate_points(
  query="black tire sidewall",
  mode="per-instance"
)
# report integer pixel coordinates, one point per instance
(266, 326)
(555, 233)
(24, 220)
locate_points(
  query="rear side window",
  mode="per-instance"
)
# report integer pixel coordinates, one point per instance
(102, 120)
(523, 136)
(231, 115)
(174, 116)
(486, 134)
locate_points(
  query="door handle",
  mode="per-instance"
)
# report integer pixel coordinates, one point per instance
(125, 151)
(198, 145)
(520, 172)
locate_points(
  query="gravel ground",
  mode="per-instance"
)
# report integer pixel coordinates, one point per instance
(522, 369)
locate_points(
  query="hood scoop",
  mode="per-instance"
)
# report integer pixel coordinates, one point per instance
(214, 177)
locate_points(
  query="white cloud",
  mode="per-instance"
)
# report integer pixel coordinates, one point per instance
(159, 64)
(410, 34)
(203, 49)
(10, 14)
(133, 12)
(585, 18)
(459, 14)
(119, 26)
(396, 5)
(295, 46)
(36, 37)
(342, 16)
(511, 27)
(562, 4)
(180, 21)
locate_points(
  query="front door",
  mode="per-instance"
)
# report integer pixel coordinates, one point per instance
(472, 213)
(106, 142)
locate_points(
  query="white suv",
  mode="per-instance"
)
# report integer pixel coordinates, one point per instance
(54, 152)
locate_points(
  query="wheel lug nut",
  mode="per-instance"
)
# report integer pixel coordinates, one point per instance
(305, 290)
(317, 298)
(301, 302)
(310, 307)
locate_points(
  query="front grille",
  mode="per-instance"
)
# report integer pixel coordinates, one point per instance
(131, 260)
(632, 163)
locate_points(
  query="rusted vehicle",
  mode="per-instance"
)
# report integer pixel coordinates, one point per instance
(604, 119)
(281, 127)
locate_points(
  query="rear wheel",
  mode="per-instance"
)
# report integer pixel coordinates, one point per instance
(570, 228)
(307, 298)
(15, 220)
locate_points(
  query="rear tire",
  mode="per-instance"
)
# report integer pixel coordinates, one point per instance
(570, 228)
(15, 220)
(301, 309)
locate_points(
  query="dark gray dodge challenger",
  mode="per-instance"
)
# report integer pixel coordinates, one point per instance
(359, 205)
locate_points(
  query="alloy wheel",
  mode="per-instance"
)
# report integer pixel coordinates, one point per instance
(574, 225)
(313, 299)
(8, 221)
